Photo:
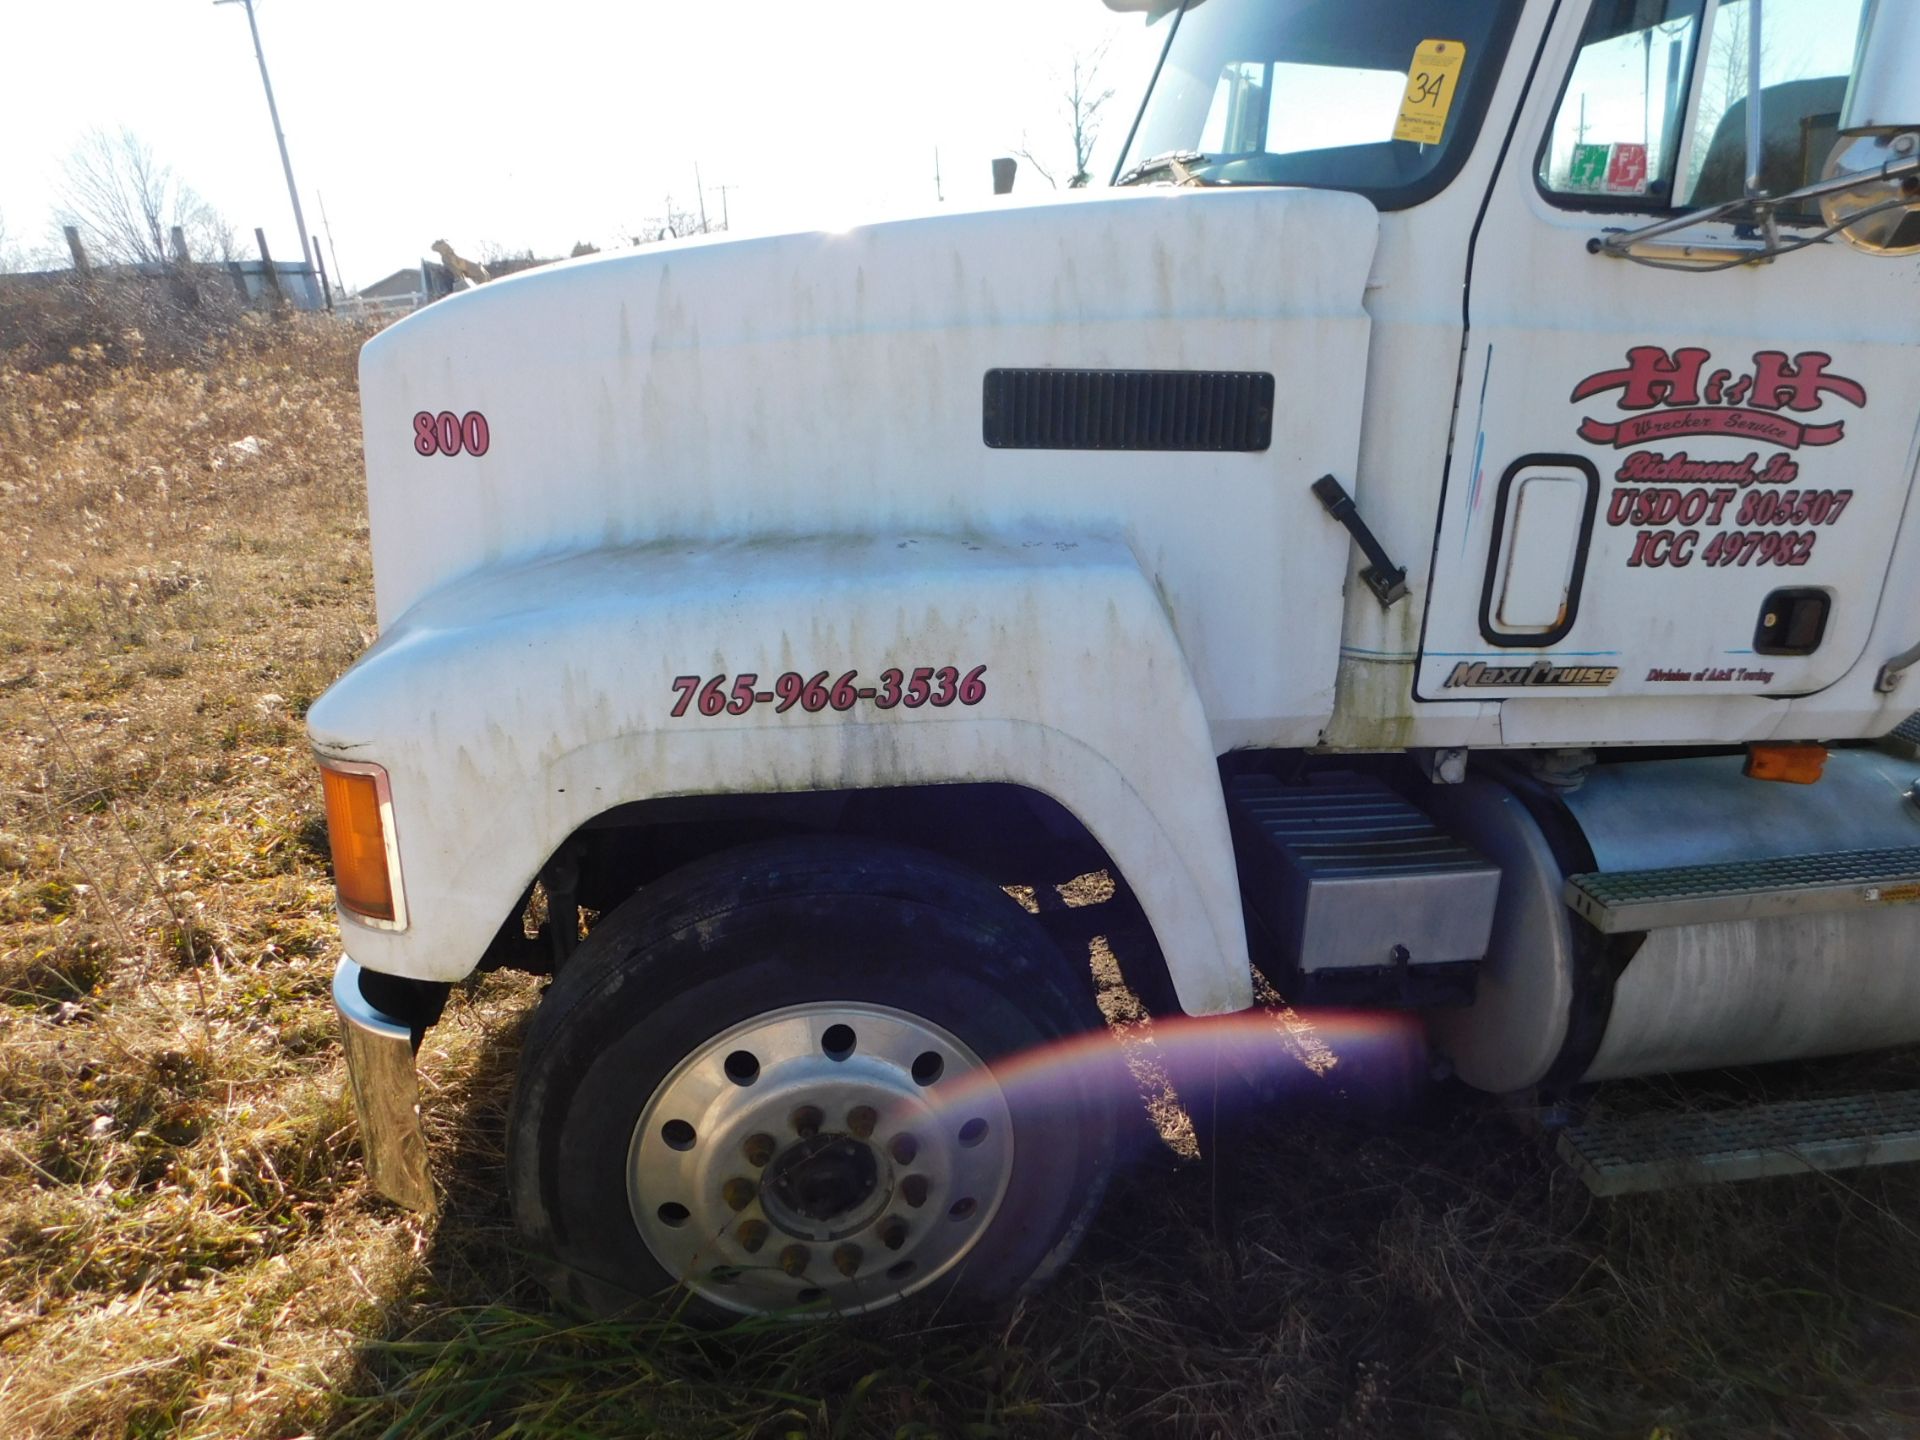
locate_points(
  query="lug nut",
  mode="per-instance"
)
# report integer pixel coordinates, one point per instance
(759, 1150)
(738, 1193)
(846, 1259)
(913, 1190)
(861, 1120)
(893, 1232)
(753, 1234)
(903, 1147)
(794, 1260)
(807, 1121)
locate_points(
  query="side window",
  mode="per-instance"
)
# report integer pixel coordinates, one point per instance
(1654, 115)
(1807, 52)
(1616, 137)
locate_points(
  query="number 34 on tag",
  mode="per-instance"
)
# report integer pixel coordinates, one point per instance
(1432, 80)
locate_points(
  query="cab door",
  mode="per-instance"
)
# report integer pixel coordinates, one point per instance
(1670, 482)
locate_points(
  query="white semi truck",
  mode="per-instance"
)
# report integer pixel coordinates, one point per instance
(1440, 528)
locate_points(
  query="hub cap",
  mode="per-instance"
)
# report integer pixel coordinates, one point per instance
(834, 1155)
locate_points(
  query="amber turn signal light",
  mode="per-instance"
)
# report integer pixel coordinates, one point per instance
(359, 819)
(1788, 764)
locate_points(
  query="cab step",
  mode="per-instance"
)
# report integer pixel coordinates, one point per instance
(1629, 900)
(1696, 1147)
(1357, 896)
(1906, 739)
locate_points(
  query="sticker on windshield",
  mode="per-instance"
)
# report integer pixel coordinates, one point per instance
(1431, 81)
(1619, 169)
(1588, 169)
(1627, 170)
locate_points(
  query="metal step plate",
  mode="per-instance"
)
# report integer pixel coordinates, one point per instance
(1906, 739)
(1626, 900)
(1694, 1147)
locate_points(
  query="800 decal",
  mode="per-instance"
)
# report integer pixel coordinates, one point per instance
(451, 434)
(938, 686)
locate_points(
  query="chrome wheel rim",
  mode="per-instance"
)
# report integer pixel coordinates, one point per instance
(832, 1156)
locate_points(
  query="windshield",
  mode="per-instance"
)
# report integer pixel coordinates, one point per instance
(1378, 96)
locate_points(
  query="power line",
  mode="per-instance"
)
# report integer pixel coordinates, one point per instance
(327, 225)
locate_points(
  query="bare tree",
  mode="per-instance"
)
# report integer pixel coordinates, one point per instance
(9, 252)
(127, 202)
(1718, 169)
(670, 226)
(1725, 84)
(1082, 101)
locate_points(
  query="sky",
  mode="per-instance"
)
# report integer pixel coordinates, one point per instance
(505, 128)
(536, 125)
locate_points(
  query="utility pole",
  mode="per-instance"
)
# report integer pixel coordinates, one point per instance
(700, 190)
(725, 223)
(273, 113)
(938, 197)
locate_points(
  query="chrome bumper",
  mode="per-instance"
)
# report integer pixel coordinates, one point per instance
(386, 1093)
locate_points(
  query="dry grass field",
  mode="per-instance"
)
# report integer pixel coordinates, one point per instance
(187, 1246)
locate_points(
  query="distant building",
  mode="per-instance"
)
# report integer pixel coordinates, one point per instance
(402, 291)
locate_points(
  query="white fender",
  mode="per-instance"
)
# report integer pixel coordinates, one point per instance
(513, 706)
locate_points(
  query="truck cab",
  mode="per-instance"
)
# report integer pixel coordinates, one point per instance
(1437, 529)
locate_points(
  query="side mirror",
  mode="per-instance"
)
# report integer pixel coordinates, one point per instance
(1879, 126)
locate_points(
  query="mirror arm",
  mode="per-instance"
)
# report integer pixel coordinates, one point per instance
(1755, 130)
(1621, 244)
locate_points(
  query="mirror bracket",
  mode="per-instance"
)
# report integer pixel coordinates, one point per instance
(1761, 212)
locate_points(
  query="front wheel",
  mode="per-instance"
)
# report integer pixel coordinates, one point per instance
(811, 1074)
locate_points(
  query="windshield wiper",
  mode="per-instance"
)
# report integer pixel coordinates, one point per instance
(1175, 163)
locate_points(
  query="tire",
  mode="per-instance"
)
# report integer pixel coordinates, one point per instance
(780, 1078)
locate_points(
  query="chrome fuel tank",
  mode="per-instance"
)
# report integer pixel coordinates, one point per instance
(1700, 996)
(1561, 1004)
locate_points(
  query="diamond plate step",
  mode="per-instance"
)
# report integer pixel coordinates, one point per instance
(1624, 900)
(1660, 1151)
(1907, 736)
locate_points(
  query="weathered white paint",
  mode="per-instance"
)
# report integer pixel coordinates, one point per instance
(830, 384)
(764, 455)
(1544, 315)
(724, 445)
(514, 705)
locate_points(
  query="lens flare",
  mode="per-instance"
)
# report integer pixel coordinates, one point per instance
(1273, 1058)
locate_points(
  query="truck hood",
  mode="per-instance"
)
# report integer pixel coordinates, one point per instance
(831, 381)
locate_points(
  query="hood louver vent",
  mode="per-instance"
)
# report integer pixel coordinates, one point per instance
(1127, 410)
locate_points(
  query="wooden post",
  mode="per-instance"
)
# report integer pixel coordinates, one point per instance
(185, 282)
(270, 290)
(79, 250)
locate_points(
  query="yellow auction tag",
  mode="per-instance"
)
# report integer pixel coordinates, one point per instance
(1431, 81)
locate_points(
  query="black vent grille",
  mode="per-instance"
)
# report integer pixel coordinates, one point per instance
(1127, 410)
